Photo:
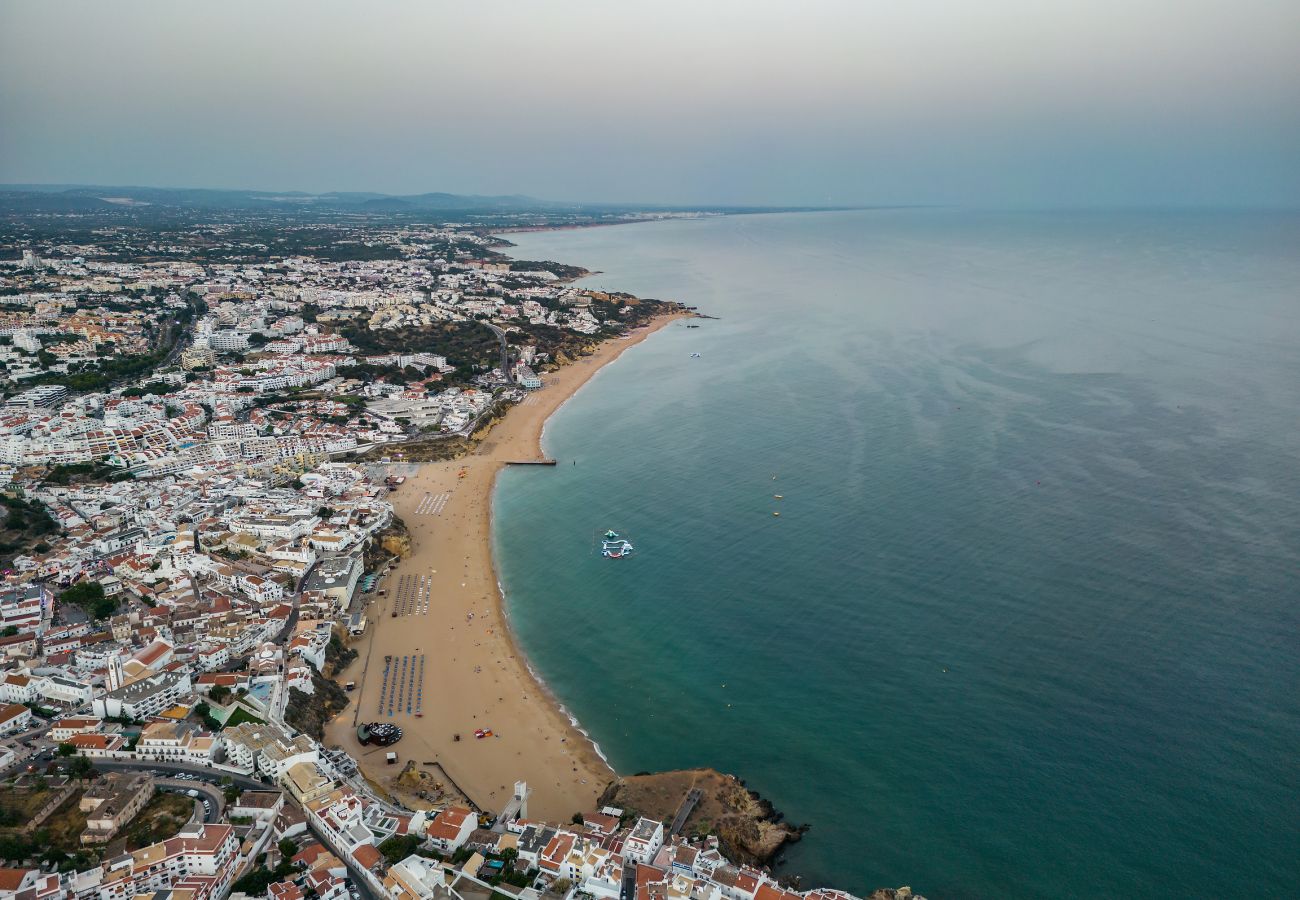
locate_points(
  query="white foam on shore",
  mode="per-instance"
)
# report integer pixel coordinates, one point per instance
(541, 682)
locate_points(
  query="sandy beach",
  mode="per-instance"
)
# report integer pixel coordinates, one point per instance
(450, 614)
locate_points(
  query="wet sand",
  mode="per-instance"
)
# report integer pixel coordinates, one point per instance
(474, 676)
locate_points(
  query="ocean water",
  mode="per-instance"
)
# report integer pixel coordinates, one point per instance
(1026, 625)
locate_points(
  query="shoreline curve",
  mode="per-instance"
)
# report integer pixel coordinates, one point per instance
(452, 616)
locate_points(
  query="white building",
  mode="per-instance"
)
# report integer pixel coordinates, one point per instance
(176, 742)
(14, 718)
(644, 841)
(25, 607)
(65, 728)
(44, 396)
(146, 697)
(265, 749)
(201, 857)
(17, 688)
(62, 690)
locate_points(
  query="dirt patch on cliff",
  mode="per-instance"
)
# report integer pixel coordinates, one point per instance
(308, 713)
(393, 543)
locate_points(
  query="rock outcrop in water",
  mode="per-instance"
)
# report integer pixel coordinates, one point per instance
(749, 828)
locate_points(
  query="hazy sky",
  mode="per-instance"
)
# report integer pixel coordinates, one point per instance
(980, 102)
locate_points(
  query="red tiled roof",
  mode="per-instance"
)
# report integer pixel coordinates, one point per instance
(12, 711)
(10, 879)
(367, 856)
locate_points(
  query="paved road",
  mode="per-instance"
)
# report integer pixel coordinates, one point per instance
(205, 774)
(290, 623)
(216, 798)
(505, 353)
(182, 341)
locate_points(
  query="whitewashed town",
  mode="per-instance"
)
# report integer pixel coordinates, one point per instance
(197, 448)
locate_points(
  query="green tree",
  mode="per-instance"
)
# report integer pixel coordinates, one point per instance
(81, 768)
(287, 848)
(219, 693)
(66, 749)
(83, 594)
(399, 847)
(256, 882)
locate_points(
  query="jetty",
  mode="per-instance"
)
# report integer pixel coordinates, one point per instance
(530, 462)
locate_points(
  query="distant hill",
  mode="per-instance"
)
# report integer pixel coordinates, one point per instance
(71, 198)
(113, 201)
(39, 201)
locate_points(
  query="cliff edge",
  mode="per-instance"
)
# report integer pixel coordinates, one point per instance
(749, 828)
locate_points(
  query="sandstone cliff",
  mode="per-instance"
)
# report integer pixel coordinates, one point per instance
(749, 828)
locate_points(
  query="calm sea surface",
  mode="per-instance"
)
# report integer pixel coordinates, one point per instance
(1028, 624)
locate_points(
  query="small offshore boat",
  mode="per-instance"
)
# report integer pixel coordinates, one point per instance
(776, 514)
(778, 497)
(611, 535)
(695, 356)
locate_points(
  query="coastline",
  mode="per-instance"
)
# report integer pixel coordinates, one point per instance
(475, 674)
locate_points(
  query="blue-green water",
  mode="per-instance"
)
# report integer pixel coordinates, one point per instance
(1027, 623)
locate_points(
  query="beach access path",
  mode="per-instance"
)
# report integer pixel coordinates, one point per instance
(450, 645)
